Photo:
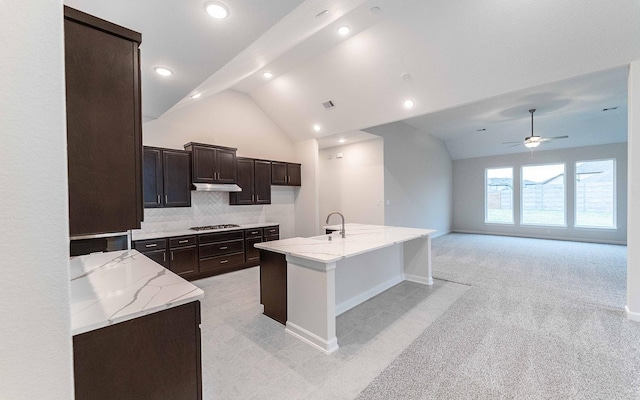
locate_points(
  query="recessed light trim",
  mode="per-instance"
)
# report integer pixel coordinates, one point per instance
(409, 103)
(196, 95)
(344, 30)
(163, 71)
(317, 128)
(216, 9)
(267, 75)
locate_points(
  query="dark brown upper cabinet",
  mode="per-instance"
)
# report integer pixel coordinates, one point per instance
(212, 164)
(104, 140)
(166, 177)
(286, 174)
(254, 177)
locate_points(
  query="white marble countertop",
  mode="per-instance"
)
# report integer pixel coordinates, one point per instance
(112, 287)
(359, 239)
(141, 235)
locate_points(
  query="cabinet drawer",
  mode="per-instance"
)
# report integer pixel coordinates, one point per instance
(220, 237)
(256, 232)
(214, 263)
(271, 230)
(271, 238)
(151, 244)
(220, 248)
(182, 241)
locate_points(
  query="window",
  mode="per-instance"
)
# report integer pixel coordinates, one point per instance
(595, 194)
(499, 195)
(543, 195)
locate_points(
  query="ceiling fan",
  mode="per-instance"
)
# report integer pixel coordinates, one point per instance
(534, 140)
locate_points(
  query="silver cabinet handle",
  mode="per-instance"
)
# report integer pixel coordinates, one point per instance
(254, 232)
(151, 245)
(166, 199)
(158, 199)
(257, 197)
(224, 261)
(183, 241)
(223, 248)
(164, 257)
(172, 256)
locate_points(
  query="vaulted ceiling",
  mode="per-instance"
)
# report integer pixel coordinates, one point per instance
(467, 65)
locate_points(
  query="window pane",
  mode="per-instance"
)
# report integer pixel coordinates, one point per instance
(499, 201)
(543, 194)
(595, 188)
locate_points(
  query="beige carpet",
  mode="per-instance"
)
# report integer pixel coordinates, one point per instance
(544, 320)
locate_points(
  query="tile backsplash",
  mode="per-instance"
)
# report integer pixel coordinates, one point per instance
(212, 208)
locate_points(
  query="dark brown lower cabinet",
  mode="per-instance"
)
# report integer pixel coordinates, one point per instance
(156, 356)
(183, 253)
(273, 285)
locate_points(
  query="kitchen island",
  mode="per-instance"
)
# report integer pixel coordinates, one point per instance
(136, 329)
(307, 282)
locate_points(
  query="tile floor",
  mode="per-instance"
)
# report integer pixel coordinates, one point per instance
(246, 355)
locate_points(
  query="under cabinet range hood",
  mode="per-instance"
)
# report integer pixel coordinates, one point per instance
(217, 187)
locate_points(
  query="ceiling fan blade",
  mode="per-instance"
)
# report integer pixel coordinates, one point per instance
(514, 145)
(552, 138)
(518, 142)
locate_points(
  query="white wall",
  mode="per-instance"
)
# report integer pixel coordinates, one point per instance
(230, 119)
(417, 178)
(307, 196)
(212, 208)
(354, 183)
(633, 229)
(35, 334)
(469, 191)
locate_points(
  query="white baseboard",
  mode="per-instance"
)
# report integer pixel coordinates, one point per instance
(419, 279)
(364, 296)
(312, 339)
(534, 236)
(633, 316)
(438, 234)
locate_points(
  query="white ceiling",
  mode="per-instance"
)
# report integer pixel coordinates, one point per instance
(472, 64)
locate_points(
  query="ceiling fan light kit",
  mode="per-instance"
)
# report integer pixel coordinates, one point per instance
(534, 141)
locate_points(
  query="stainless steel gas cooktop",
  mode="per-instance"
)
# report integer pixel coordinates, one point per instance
(208, 227)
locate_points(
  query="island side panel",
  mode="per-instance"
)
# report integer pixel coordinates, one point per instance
(311, 308)
(273, 285)
(417, 260)
(366, 275)
(156, 356)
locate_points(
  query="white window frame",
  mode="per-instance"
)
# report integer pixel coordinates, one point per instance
(615, 195)
(486, 202)
(564, 208)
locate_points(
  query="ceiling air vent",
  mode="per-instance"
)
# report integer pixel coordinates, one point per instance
(328, 104)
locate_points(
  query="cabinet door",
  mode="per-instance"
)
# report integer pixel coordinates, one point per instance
(104, 146)
(252, 255)
(278, 173)
(177, 178)
(203, 164)
(152, 177)
(262, 183)
(184, 260)
(294, 175)
(226, 165)
(159, 256)
(245, 181)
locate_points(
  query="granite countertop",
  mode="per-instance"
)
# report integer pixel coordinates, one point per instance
(359, 239)
(141, 235)
(112, 287)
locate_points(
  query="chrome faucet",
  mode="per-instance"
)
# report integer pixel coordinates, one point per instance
(341, 216)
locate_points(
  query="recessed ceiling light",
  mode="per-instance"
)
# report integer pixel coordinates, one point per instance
(268, 75)
(344, 30)
(409, 103)
(316, 128)
(196, 95)
(341, 141)
(164, 71)
(216, 9)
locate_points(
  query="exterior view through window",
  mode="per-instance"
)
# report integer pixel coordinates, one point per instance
(543, 194)
(595, 194)
(499, 195)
